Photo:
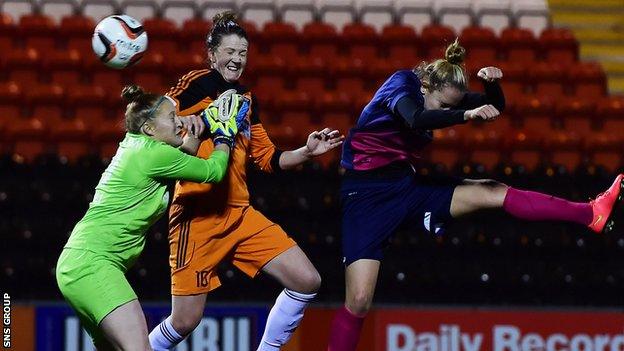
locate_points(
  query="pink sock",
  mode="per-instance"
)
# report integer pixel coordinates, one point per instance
(534, 206)
(345, 331)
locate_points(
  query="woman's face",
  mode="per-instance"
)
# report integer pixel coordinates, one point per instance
(230, 57)
(166, 125)
(442, 99)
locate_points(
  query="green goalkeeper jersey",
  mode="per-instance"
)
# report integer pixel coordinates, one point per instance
(132, 195)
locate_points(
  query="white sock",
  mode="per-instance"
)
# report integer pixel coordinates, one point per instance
(164, 337)
(283, 319)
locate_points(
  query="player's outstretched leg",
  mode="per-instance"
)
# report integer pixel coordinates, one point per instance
(301, 281)
(475, 195)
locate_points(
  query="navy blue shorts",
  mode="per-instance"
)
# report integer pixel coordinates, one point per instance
(374, 208)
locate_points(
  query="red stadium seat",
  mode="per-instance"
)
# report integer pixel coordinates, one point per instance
(10, 101)
(519, 44)
(5, 19)
(295, 108)
(515, 80)
(294, 105)
(348, 75)
(193, 35)
(270, 72)
(361, 41)
(535, 113)
(525, 148)
(149, 71)
(605, 149)
(330, 158)
(301, 125)
(163, 35)
(480, 44)
(89, 104)
(335, 109)
(283, 136)
(309, 74)
(282, 40)
(71, 138)
(502, 124)
(548, 79)
(116, 107)
(46, 102)
(27, 137)
(23, 65)
(435, 38)
(564, 148)
(474, 82)
(588, 80)
(611, 110)
(108, 136)
(381, 69)
(559, 45)
(7, 32)
(99, 74)
(321, 40)
(77, 32)
(64, 67)
(265, 104)
(577, 115)
(484, 147)
(252, 31)
(401, 42)
(360, 101)
(343, 122)
(447, 147)
(38, 31)
(184, 62)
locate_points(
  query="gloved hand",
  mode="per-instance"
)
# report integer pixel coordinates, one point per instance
(241, 116)
(220, 117)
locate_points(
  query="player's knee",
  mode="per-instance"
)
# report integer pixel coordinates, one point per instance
(310, 283)
(493, 194)
(185, 323)
(314, 282)
(360, 303)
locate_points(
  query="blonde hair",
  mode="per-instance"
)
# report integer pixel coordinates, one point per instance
(448, 71)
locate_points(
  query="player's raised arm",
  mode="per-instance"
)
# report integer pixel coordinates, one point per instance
(154, 117)
(318, 143)
(439, 98)
(493, 92)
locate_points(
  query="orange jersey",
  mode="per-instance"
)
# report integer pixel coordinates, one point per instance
(193, 93)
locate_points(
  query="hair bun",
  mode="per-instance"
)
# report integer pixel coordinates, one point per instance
(131, 93)
(224, 18)
(455, 53)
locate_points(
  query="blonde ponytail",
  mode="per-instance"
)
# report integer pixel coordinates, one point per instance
(448, 71)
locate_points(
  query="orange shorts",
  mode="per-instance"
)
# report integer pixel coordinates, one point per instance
(240, 234)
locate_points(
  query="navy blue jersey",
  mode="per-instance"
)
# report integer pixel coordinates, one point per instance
(382, 136)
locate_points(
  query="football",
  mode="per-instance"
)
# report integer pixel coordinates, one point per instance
(119, 41)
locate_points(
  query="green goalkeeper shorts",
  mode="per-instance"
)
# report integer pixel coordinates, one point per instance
(94, 285)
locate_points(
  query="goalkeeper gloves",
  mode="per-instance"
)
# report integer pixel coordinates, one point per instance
(220, 117)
